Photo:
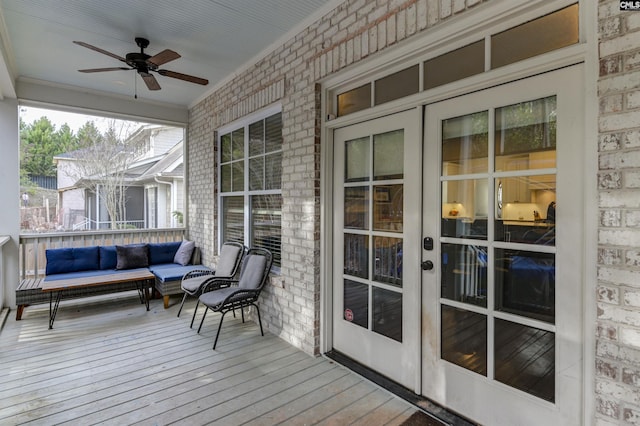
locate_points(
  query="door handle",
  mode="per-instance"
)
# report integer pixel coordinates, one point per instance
(427, 265)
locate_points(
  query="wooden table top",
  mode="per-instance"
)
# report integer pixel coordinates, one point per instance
(134, 275)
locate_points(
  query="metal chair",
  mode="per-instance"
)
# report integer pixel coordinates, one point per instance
(224, 294)
(231, 254)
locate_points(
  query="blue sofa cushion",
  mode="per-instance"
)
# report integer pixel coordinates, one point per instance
(72, 259)
(84, 274)
(162, 252)
(108, 257)
(132, 256)
(172, 271)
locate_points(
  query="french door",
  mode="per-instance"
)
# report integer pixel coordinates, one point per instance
(503, 227)
(376, 299)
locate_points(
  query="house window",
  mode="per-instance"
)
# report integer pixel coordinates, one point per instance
(251, 183)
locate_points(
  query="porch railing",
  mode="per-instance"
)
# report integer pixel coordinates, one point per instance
(33, 246)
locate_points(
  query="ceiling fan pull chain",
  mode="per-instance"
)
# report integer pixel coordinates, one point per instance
(135, 86)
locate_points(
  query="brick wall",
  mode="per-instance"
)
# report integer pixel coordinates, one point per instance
(353, 31)
(618, 294)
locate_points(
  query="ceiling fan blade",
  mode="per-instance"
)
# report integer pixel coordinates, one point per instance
(105, 69)
(184, 77)
(97, 49)
(150, 81)
(163, 57)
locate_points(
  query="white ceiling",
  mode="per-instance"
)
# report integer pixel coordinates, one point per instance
(214, 38)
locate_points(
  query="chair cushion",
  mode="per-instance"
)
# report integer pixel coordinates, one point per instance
(252, 271)
(227, 260)
(163, 252)
(183, 255)
(192, 285)
(108, 257)
(132, 256)
(214, 298)
(72, 259)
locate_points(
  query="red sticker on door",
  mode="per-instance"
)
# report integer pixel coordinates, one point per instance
(348, 314)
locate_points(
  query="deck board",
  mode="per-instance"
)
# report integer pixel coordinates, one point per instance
(111, 363)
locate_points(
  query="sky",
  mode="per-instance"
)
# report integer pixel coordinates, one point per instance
(74, 120)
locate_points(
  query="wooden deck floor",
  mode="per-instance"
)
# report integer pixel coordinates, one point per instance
(108, 361)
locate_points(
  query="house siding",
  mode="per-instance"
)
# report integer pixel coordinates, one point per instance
(350, 33)
(617, 382)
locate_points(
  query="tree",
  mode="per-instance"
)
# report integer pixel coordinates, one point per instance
(101, 164)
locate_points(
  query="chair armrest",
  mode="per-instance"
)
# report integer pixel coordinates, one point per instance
(215, 283)
(197, 273)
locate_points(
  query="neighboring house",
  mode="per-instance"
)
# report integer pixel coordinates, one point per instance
(154, 184)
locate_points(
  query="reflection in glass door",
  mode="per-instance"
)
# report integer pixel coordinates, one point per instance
(502, 271)
(375, 303)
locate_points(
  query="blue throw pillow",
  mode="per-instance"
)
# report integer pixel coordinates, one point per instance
(133, 256)
(160, 253)
(72, 259)
(108, 257)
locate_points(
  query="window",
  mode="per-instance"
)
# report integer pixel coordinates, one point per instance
(251, 183)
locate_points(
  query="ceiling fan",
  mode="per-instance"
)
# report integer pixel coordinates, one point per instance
(144, 64)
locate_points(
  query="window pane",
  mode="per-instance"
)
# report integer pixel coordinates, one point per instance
(256, 173)
(356, 255)
(387, 313)
(354, 100)
(526, 283)
(256, 138)
(388, 155)
(388, 208)
(356, 207)
(388, 260)
(238, 176)
(465, 144)
(357, 160)
(273, 133)
(225, 147)
(225, 178)
(464, 274)
(273, 171)
(356, 303)
(233, 219)
(237, 142)
(455, 65)
(266, 212)
(464, 339)
(525, 358)
(550, 32)
(398, 85)
(525, 135)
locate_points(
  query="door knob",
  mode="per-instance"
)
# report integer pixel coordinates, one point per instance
(427, 265)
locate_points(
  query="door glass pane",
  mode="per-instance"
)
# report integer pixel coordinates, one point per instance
(354, 100)
(464, 339)
(465, 144)
(357, 160)
(356, 303)
(388, 155)
(273, 171)
(525, 358)
(225, 147)
(387, 313)
(525, 135)
(464, 274)
(237, 144)
(273, 133)
(525, 283)
(388, 208)
(356, 255)
(225, 177)
(465, 208)
(388, 260)
(356, 207)
(256, 173)
(397, 85)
